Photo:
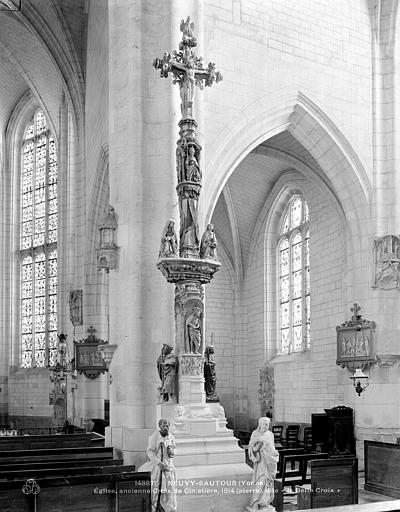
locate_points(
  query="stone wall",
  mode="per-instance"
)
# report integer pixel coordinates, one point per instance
(220, 327)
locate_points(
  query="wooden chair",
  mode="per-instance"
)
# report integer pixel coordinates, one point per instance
(277, 430)
(293, 472)
(292, 436)
(307, 439)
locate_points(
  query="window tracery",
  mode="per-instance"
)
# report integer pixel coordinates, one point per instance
(38, 245)
(294, 278)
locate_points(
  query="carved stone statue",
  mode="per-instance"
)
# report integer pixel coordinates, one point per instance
(167, 366)
(210, 375)
(189, 232)
(192, 167)
(193, 331)
(75, 307)
(169, 243)
(208, 246)
(264, 457)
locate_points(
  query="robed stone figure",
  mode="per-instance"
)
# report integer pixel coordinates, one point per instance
(160, 452)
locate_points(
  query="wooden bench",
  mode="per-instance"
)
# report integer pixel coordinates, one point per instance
(55, 454)
(107, 492)
(334, 482)
(66, 471)
(60, 464)
(293, 473)
(31, 442)
(382, 462)
(79, 478)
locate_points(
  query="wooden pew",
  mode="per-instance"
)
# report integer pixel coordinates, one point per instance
(107, 492)
(293, 473)
(382, 462)
(32, 442)
(55, 454)
(60, 464)
(70, 479)
(334, 482)
(24, 474)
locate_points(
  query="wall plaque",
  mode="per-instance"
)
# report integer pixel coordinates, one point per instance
(88, 359)
(356, 342)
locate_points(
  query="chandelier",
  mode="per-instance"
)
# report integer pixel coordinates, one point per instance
(360, 381)
(63, 367)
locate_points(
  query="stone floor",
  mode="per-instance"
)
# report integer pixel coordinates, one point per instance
(290, 502)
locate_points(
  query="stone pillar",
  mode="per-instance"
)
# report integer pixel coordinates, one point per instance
(386, 184)
(141, 179)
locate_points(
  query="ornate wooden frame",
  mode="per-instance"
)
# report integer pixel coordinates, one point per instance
(356, 342)
(88, 359)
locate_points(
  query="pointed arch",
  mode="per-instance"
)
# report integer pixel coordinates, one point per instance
(295, 112)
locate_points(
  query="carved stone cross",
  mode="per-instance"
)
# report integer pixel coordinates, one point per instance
(187, 69)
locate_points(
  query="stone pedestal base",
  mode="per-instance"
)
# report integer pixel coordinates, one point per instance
(214, 488)
(130, 444)
(211, 471)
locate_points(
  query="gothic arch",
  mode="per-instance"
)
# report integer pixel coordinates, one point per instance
(99, 198)
(293, 112)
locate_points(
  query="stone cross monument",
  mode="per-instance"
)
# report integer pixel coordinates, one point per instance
(206, 449)
(195, 265)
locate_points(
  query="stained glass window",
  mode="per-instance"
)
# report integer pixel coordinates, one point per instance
(294, 278)
(38, 245)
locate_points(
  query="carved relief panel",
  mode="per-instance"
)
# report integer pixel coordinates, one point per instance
(387, 262)
(356, 342)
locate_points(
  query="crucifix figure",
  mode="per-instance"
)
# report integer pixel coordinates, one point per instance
(187, 69)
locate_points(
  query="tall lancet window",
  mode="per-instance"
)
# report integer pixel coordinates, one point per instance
(294, 278)
(38, 245)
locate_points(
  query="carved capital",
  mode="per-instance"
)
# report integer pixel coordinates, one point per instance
(179, 270)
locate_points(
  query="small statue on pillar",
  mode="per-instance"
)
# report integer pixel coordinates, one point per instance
(210, 375)
(169, 243)
(167, 366)
(208, 246)
(193, 331)
(193, 172)
(189, 231)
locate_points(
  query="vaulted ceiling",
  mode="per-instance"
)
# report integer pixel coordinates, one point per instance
(245, 194)
(42, 49)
